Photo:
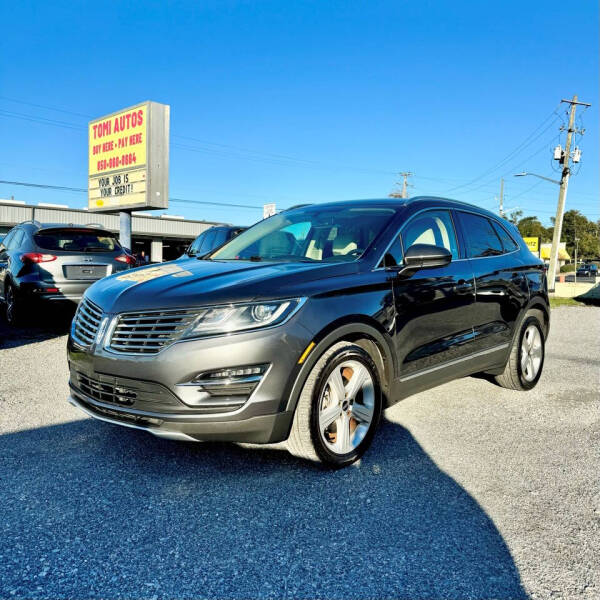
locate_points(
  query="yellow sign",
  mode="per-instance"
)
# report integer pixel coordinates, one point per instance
(118, 141)
(533, 243)
(128, 159)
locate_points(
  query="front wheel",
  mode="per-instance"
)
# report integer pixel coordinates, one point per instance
(339, 408)
(526, 361)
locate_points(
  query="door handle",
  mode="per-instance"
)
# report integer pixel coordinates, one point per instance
(463, 286)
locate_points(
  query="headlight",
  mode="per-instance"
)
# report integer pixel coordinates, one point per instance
(215, 320)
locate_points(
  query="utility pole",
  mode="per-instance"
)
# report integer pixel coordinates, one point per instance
(403, 193)
(502, 197)
(562, 194)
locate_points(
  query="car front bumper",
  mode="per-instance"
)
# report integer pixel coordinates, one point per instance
(259, 430)
(157, 392)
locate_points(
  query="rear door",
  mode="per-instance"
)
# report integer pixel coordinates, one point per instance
(433, 306)
(500, 282)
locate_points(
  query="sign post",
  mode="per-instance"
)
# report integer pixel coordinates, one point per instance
(128, 162)
(269, 210)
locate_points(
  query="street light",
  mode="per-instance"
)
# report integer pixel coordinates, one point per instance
(524, 174)
(557, 224)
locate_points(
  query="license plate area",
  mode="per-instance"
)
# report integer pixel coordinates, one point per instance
(84, 272)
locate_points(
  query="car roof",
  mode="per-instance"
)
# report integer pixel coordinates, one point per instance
(35, 226)
(416, 202)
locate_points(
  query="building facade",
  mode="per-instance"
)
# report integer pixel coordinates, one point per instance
(159, 237)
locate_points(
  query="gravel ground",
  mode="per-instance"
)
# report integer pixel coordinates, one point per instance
(469, 491)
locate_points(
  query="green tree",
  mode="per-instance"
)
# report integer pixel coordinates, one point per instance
(576, 225)
(514, 216)
(531, 227)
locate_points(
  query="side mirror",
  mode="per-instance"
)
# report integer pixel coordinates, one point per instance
(423, 256)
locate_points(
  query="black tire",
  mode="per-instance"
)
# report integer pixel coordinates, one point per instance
(513, 376)
(13, 306)
(305, 440)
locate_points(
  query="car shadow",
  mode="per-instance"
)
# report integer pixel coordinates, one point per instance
(96, 510)
(44, 323)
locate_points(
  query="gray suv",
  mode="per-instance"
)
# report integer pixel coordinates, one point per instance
(305, 326)
(54, 262)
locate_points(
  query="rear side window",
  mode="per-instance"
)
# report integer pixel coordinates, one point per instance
(78, 240)
(18, 239)
(7, 240)
(507, 242)
(482, 239)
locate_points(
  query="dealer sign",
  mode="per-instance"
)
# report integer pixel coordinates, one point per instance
(128, 159)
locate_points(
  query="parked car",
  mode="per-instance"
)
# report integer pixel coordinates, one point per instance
(587, 270)
(305, 326)
(211, 239)
(54, 262)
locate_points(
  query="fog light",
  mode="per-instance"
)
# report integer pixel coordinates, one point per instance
(237, 381)
(231, 373)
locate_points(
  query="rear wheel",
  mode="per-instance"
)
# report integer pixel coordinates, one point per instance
(339, 408)
(526, 361)
(13, 305)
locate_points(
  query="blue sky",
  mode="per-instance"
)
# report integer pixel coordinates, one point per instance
(306, 101)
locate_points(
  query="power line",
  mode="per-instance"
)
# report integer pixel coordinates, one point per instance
(223, 150)
(64, 188)
(526, 142)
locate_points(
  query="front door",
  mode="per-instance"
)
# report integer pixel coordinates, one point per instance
(434, 327)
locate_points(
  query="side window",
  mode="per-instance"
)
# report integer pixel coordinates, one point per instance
(207, 243)
(393, 256)
(8, 239)
(434, 228)
(17, 240)
(507, 242)
(482, 239)
(220, 238)
(195, 246)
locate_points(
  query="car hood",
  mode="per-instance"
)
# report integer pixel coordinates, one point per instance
(193, 282)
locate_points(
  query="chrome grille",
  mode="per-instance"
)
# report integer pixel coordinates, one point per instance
(86, 323)
(149, 332)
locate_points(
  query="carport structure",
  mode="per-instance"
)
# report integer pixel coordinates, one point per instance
(163, 237)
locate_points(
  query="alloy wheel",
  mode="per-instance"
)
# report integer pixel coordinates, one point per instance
(531, 353)
(346, 407)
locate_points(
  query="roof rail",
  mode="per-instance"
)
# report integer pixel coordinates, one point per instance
(297, 206)
(33, 221)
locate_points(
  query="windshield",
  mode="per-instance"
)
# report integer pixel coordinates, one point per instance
(79, 240)
(325, 234)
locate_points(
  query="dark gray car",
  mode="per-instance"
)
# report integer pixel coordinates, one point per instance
(211, 239)
(305, 326)
(54, 263)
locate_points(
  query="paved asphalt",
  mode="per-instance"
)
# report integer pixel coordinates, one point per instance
(469, 491)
